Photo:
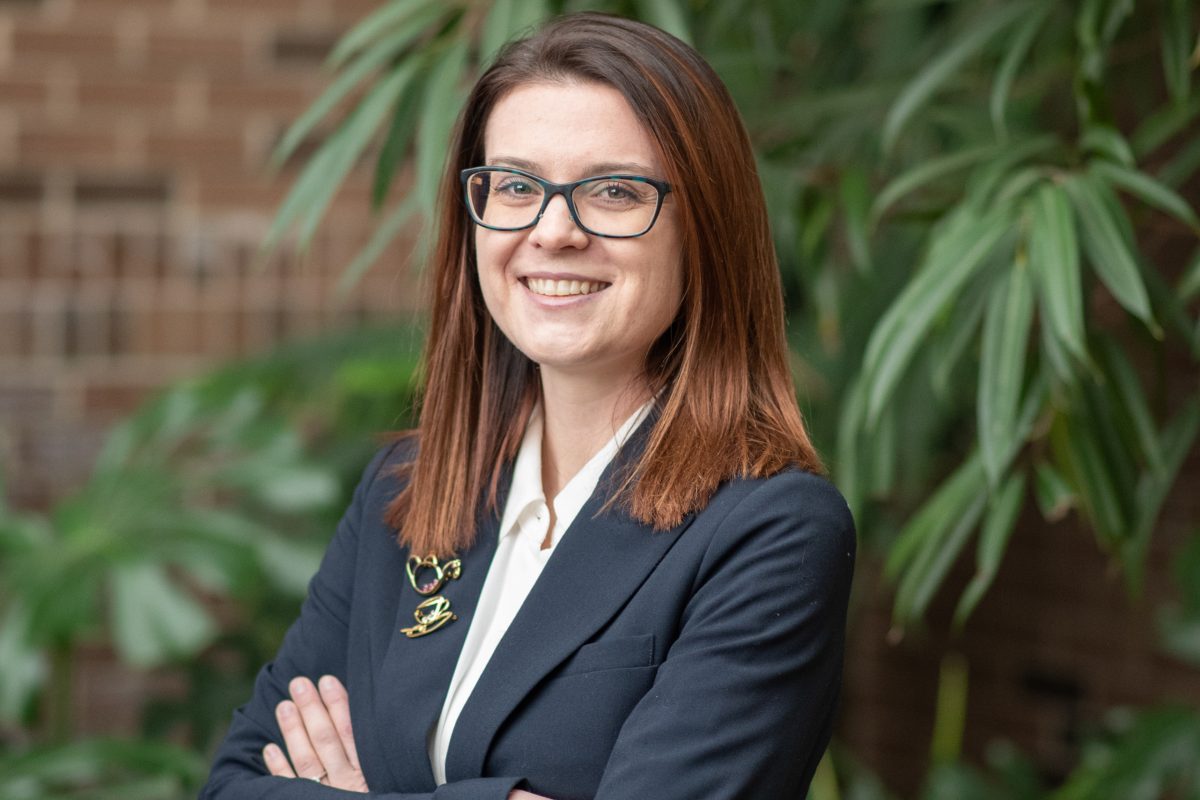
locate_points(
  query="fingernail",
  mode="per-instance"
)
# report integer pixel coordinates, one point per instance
(271, 751)
(299, 686)
(286, 709)
(328, 682)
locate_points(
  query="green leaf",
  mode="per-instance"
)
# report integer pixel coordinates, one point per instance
(505, 20)
(1106, 141)
(959, 248)
(441, 104)
(938, 71)
(1019, 183)
(321, 178)
(1127, 390)
(948, 503)
(1000, 171)
(1003, 510)
(376, 58)
(288, 564)
(1054, 495)
(153, 622)
(385, 23)
(1118, 12)
(925, 173)
(1107, 249)
(883, 453)
(929, 569)
(1054, 261)
(1160, 127)
(1148, 760)
(1001, 374)
(1182, 164)
(856, 206)
(352, 139)
(1189, 284)
(298, 489)
(959, 334)
(1017, 49)
(1147, 189)
(950, 716)
(851, 475)
(665, 14)
(22, 664)
(495, 30)
(383, 235)
(1177, 48)
(1076, 450)
(1176, 443)
(395, 145)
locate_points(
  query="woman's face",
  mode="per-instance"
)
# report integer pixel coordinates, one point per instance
(631, 288)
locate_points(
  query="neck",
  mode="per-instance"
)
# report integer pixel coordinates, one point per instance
(579, 416)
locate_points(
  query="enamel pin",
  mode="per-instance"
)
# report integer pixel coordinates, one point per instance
(427, 577)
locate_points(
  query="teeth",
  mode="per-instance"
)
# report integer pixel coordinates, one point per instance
(552, 288)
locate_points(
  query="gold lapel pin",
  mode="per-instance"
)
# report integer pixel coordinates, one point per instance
(427, 576)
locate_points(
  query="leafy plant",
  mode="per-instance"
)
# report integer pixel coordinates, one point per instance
(216, 497)
(952, 265)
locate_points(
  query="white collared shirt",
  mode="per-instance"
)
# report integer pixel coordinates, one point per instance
(518, 562)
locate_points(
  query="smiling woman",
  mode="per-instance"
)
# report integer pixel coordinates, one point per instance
(569, 131)
(605, 564)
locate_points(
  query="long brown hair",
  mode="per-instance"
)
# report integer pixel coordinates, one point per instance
(726, 402)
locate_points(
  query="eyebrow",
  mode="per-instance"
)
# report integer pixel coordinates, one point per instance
(602, 168)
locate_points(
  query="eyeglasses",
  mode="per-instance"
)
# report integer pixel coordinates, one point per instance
(613, 206)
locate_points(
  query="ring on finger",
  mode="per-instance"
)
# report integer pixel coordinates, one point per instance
(319, 778)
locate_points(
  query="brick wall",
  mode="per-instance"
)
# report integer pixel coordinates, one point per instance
(134, 193)
(133, 196)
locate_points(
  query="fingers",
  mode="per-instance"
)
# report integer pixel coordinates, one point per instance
(337, 701)
(296, 741)
(309, 734)
(277, 763)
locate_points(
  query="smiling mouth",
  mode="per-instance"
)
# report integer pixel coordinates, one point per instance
(554, 288)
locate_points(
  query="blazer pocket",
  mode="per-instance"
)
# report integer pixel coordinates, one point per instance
(619, 653)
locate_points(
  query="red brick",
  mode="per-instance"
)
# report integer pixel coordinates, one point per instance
(22, 93)
(36, 44)
(56, 146)
(104, 96)
(171, 52)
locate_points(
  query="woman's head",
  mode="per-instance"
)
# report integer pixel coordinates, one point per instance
(713, 350)
(686, 115)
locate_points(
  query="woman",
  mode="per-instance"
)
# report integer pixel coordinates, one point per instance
(618, 575)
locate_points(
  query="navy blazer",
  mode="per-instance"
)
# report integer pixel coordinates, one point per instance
(698, 662)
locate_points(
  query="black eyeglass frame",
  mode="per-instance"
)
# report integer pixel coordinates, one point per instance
(565, 189)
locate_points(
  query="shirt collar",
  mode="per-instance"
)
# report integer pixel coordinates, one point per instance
(526, 487)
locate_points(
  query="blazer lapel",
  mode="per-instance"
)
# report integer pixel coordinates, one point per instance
(597, 565)
(412, 682)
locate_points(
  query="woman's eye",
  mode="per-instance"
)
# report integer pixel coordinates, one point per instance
(615, 193)
(515, 187)
(618, 191)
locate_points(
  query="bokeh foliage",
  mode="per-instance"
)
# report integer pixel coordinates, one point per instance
(978, 214)
(985, 223)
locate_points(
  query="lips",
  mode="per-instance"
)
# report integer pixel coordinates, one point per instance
(560, 287)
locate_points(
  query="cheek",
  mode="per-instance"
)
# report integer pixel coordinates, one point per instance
(491, 256)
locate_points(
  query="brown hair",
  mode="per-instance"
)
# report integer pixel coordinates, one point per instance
(725, 392)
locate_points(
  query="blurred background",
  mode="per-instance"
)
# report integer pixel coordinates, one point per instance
(212, 225)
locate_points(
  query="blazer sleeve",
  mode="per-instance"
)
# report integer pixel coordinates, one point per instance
(315, 645)
(742, 706)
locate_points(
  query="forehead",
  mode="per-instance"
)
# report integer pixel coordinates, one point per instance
(561, 130)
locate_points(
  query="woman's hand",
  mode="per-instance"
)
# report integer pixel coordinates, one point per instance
(317, 735)
(521, 794)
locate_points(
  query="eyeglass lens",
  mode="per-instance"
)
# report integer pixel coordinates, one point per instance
(607, 206)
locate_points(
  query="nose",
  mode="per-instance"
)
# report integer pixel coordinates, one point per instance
(556, 229)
